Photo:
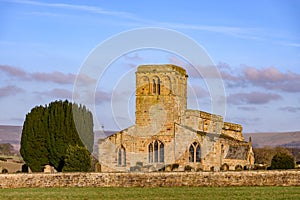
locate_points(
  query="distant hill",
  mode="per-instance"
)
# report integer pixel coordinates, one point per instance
(285, 139)
(12, 135)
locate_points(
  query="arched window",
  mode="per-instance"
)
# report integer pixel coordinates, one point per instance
(161, 152)
(150, 153)
(195, 153)
(156, 86)
(121, 156)
(191, 154)
(156, 152)
(198, 154)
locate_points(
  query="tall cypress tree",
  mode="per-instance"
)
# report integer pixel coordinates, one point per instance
(48, 132)
(33, 141)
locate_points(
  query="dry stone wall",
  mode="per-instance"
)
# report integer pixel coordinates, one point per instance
(171, 179)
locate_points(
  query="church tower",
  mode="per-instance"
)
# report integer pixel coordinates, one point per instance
(161, 96)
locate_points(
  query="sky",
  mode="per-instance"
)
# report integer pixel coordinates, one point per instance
(255, 45)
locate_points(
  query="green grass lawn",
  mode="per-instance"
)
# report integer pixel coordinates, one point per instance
(153, 193)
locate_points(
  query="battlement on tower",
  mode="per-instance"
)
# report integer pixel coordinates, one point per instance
(161, 68)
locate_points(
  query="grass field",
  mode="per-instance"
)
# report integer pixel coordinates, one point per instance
(153, 193)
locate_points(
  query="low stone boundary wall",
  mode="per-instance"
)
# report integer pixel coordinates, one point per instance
(157, 179)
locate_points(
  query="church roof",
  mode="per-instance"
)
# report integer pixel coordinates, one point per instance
(238, 152)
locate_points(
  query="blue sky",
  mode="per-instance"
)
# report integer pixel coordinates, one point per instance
(255, 45)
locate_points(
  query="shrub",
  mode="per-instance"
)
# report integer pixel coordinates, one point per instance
(225, 167)
(188, 168)
(3, 159)
(175, 166)
(77, 159)
(282, 161)
(25, 168)
(265, 155)
(4, 171)
(199, 169)
(238, 168)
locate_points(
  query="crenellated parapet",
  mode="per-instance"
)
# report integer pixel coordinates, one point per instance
(233, 130)
(203, 121)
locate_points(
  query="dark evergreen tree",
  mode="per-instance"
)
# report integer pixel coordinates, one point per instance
(282, 161)
(76, 159)
(33, 142)
(48, 132)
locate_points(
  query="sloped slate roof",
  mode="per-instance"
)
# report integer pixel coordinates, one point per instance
(238, 152)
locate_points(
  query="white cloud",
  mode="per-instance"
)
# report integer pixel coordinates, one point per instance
(252, 98)
(85, 8)
(10, 90)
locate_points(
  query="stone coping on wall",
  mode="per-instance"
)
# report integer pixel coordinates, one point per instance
(156, 179)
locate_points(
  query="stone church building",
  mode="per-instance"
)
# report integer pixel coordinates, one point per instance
(169, 136)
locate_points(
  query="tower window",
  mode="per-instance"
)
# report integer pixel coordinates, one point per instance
(156, 86)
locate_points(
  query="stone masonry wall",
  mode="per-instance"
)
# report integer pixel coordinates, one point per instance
(164, 179)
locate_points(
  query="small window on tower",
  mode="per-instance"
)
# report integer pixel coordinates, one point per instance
(158, 87)
(154, 87)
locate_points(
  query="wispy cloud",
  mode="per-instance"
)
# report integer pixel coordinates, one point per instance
(13, 71)
(290, 44)
(269, 78)
(198, 71)
(292, 109)
(130, 19)
(56, 93)
(89, 97)
(135, 57)
(246, 120)
(102, 96)
(252, 98)
(22, 43)
(273, 79)
(239, 32)
(54, 77)
(10, 90)
(78, 7)
(200, 91)
(247, 108)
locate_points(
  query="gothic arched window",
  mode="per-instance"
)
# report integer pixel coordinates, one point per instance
(150, 148)
(161, 152)
(156, 86)
(156, 152)
(121, 156)
(195, 152)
